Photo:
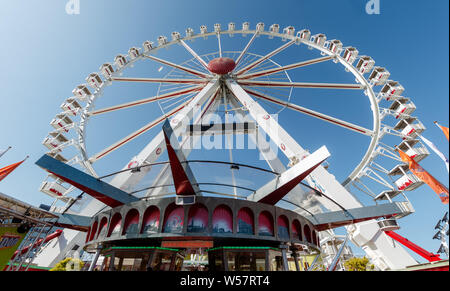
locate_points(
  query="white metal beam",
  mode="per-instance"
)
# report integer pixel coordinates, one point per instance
(182, 68)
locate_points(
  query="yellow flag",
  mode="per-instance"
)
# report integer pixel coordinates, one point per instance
(423, 175)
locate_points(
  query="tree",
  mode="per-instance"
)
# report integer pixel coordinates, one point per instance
(358, 264)
(69, 264)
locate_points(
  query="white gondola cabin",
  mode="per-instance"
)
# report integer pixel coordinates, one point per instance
(365, 64)
(407, 181)
(54, 141)
(245, 26)
(120, 61)
(392, 88)
(274, 28)
(107, 71)
(176, 36)
(203, 29)
(61, 121)
(260, 27)
(389, 224)
(162, 40)
(94, 81)
(53, 189)
(350, 55)
(410, 127)
(402, 106)
(290, 30)
(335, 46)
(147, 45)
(189, 32)
(319, 39)
(82, 92)
(134, 53)
(231, 26)
(304, 34)
(415, 149)
(217, 27)
(379, 76)
(71, 106)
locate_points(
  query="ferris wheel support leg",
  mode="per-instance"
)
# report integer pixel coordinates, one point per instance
(366, 235)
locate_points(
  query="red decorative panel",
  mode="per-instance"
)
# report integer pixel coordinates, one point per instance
(91, 235)
(222, 220)
(103, 224)
(114, 226)
(150, 222)
(283, 227)
(307, 231)
(131, 222)
(174, 219)
(314, 237)
(245, 221)
(197, 218)
(297, 230)
(265, 224)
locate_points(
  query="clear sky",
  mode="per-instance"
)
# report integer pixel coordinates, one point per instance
(46, 53)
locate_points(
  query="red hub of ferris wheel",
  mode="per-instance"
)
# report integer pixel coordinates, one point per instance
(221, 66)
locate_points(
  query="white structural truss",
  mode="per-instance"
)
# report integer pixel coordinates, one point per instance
(191, 92)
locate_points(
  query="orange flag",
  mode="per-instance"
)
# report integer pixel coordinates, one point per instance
(8, 169)
(423, 175)
(444, 129)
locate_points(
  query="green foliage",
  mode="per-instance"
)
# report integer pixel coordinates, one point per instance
(358, 264)
(68, 264)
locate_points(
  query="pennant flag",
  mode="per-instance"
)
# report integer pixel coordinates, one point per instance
(435, 149)
(423, 175)
(444, 129)
(8, 169)
(4, 152)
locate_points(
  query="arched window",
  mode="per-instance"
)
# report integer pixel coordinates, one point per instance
(265, 224)
(114, 226)
(283, 227)
(222, 220)
(174, 219)
(93, 231)
(315, 238)
(150, 222)
(245, 221)
(297, 229)
(103, 227)
(307, 231)
(197, 218)
(131, 222)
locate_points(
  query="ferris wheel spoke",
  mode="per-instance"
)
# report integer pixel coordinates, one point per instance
(159, 80)
(301, 85)
(220, 44)
(182, 68)
(146, 100)
(246, 48)
(285, 68)
(268, 56)
(192, 52)
(136, 134)
(311, 113)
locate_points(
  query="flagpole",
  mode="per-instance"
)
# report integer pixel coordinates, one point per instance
(4, 152)
(444, 129)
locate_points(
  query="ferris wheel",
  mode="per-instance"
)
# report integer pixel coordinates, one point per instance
(258, 84)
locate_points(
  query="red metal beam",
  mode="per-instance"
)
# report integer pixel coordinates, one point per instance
(415, 248)
(56, 234)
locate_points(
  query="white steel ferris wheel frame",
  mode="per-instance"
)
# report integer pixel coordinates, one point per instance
(364, 84)
(207, 87)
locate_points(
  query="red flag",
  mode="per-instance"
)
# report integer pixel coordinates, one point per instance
(444, 129)
(423, 175)
(8, 169)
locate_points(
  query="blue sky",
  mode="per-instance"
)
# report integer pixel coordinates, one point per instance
(46, 53)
